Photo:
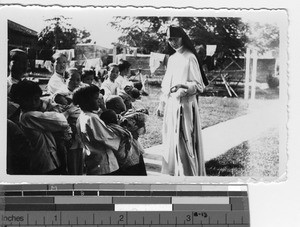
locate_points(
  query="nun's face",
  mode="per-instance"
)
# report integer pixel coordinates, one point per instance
(175, 42)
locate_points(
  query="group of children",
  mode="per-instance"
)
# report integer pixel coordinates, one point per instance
(78, 128)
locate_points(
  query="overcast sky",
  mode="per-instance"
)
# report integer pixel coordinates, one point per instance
(96, 22)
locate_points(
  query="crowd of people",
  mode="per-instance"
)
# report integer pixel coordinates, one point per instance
(79, 126)
(89, 126)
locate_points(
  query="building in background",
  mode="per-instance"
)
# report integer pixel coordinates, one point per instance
(21, 37)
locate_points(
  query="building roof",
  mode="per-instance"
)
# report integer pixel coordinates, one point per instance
(20, 28)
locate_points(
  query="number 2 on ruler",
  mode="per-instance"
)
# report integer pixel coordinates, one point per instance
(121, 218)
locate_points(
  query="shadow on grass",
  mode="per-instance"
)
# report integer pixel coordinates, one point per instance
(232, 163)
(257, 157)
(215, 168)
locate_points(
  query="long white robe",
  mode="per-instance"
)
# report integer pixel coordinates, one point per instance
(181, 126)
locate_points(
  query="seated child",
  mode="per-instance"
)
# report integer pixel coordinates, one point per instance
(142, 78)
(109, 85)
(115, 103)
(100, 142)
(97, 81)
(129, 157)
(129, 95)
(109, 117)
(74, 80)
(63, 102)
(138, 85)
(103, 73)
(87, 76)
(39, 128)
(134, 121)
(74, 153)
(124, 74)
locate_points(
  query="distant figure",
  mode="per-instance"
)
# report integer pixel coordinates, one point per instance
(17, 67)
(109, 85)
(142, 78)
(124, 74)
(201, 53)
(57, 83)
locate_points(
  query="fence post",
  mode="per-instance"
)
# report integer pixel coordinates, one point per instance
(124, 53)
(247, 75)
(253, 76)
(115, 54)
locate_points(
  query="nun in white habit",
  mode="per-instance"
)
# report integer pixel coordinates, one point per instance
(183, 82)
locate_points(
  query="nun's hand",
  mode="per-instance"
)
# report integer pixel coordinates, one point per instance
(176, 87)
(160, 110)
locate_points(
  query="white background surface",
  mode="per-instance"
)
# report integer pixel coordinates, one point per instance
(271, 204)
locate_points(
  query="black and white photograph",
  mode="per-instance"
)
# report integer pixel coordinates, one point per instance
(138, 94)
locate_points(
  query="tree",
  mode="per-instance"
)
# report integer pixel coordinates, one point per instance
(264, 37)
(147, 33)
(60, 34)
(228, 33)
(141, 32)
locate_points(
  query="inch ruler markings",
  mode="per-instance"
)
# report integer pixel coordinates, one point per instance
(124, 205)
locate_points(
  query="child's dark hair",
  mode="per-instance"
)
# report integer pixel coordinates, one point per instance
(109, 117)
(124, 65)
(138, 85)
(86, 73)
(82, 96)
(116, 103)
(135, 93)
(25, 90)
(132, 91)
(15, 54)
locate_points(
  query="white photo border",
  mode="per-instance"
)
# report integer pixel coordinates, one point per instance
(281, 15)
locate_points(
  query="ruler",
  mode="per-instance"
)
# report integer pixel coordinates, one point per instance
(124, 205)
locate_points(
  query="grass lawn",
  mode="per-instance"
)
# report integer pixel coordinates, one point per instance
(213, 110)
(257, 157)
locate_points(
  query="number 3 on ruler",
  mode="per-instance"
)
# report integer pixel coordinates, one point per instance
(188, 218)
